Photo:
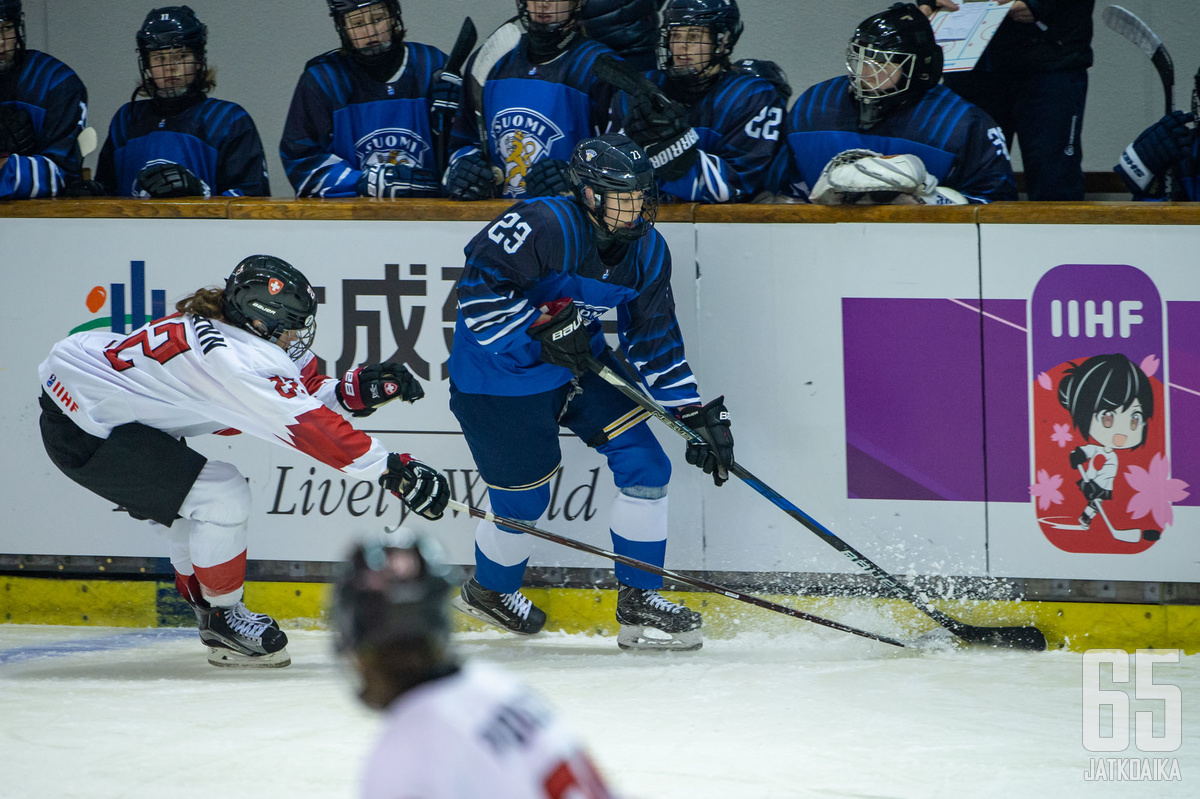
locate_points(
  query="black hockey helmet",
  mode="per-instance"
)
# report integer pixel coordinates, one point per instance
(269, 297)
(723, 21)
(173, 28)
(548, 37)
(612, 164)
(892, 59)
(11, 14)
(389, 614)
(767, 70)
(379, 54)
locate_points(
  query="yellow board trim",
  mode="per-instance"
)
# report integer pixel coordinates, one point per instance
(1076, 626)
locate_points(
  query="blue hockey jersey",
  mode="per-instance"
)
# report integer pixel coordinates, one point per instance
(957, 141)
(56, 101)
(535, 111)
(342, 120)
(544, 249)
(739, 121)
(214, 139)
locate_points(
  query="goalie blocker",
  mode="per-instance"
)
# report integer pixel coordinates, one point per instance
(865, 177)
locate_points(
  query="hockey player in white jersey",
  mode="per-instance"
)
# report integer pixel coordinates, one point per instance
(451, 730)
(115, 413)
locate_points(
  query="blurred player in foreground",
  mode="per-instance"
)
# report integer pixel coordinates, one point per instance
(233, 359)
(451, 730)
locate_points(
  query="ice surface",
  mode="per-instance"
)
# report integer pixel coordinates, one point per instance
(104, 712)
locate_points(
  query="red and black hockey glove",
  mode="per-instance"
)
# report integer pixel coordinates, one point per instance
(565, 338)
(711, 422)
(364, 389)
(421, 488)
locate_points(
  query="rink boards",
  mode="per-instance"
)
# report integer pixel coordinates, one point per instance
(883, 377)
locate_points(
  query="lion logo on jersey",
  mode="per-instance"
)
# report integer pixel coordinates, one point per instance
(390, 146)
(522, 137)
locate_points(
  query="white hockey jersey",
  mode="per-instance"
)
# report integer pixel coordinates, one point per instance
(187, 375)
(478, 733)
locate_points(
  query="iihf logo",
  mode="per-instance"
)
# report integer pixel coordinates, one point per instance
(390, 146)
(522, 137)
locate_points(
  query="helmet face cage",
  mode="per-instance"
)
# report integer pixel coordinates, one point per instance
(549, 16)
(875, 74)
(12, 31)
(181, 39)
(362, 23)
(274, 301)
(704, 30)
(616, 170)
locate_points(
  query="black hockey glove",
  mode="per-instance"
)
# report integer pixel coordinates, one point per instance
(363, 390)
(565, 338)
(169, 180)
(659, 126)
(1078, 457)
(547, 178)
(470, 177)
(17, 135)
(421, 488)
(390, 181)
(1092, 490)
(83, 188)
(445, 92)
(711, 422)
(1160, 147)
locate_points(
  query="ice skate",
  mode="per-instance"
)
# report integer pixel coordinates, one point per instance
(649, 621)
(512, 612)
(239, 638)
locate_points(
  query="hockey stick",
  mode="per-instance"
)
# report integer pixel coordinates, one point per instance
(454, 64)
(1014, 637)
(501, 42)
(695, 582)
(1127, 24)
(620, 75)
(1124, 22)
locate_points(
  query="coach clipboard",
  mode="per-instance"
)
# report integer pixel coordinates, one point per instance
(964, 34)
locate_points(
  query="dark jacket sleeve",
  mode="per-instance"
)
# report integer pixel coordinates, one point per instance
(628, 26)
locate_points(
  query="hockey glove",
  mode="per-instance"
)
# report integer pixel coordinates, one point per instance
(445, 92)
(469, 177)
(565, 338)
(421, 488)
(363, 390)
(83, 188)
(547, 178)
(169, 180)
(711, 423)
(17, 135)
(390, 181)
(659, 126)
(1162, 145)
(1078, 457)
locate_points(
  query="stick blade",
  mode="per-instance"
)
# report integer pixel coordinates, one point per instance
(1029, 638)
(1126, 23)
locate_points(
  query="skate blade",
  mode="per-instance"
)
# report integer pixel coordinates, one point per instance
(460, 604)
(228, 659)
(638, 638)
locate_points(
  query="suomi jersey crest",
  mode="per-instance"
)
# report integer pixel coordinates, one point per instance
(56, 101)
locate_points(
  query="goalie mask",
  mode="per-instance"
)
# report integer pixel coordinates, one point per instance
(697, 39)
(390, 617)
(171, 57)
(371, 32)
(893, 60)
(12, 34)
(614, 182)
(273, 300)
(550, 25)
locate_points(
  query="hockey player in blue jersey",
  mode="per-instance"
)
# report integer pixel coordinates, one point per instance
(1165, 159)
(360, 120)
(736, 116)
(535, 103)
(43, 109)
(179, 142)
(887, 132)
(536, 281)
